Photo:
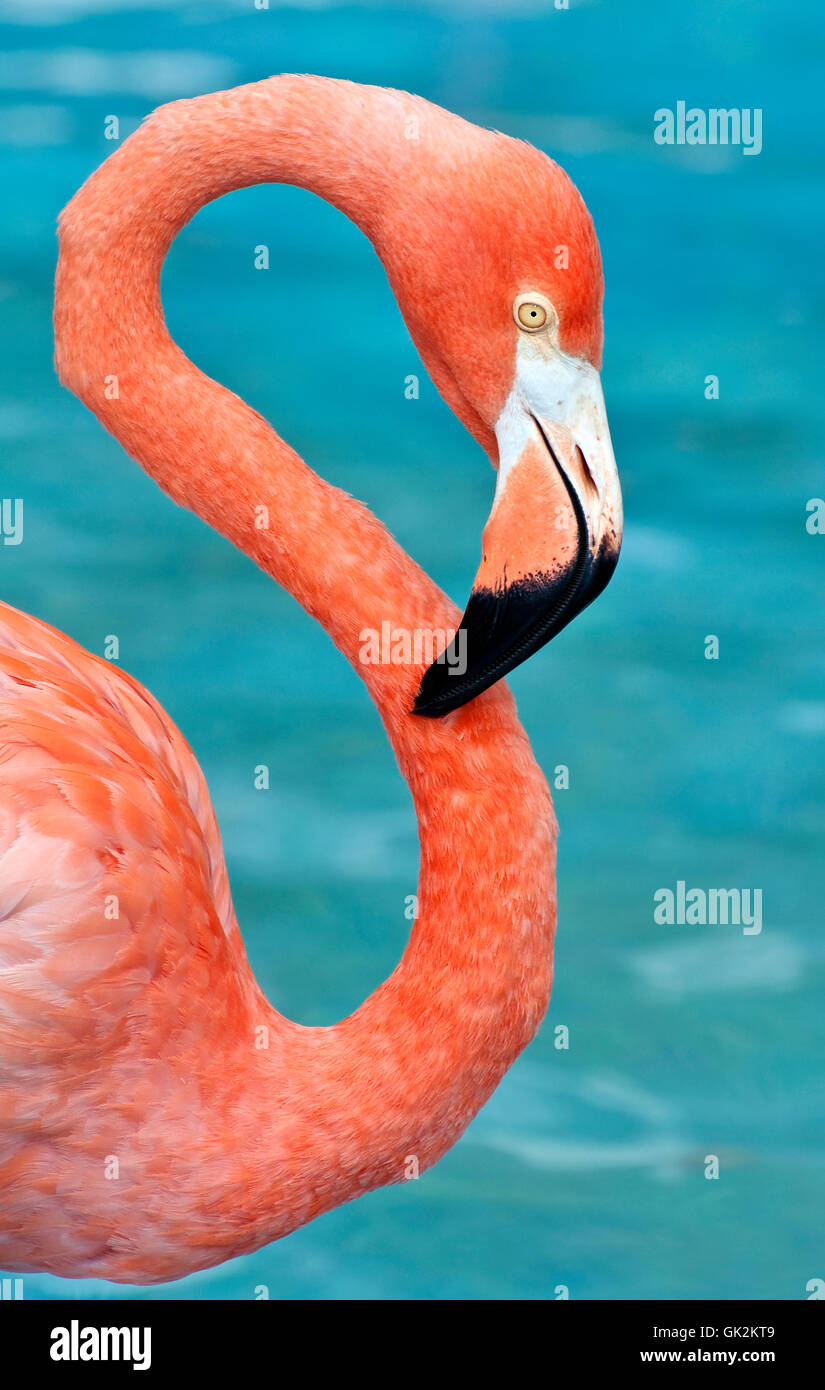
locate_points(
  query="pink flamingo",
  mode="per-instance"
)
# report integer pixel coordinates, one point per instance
(156, 1114)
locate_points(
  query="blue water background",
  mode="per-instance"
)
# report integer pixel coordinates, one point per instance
(586, 1169)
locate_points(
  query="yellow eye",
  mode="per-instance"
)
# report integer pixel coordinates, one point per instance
(534, 311)
(531, 315)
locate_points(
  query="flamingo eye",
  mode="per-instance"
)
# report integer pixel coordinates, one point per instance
(533, 312)
(532, 316)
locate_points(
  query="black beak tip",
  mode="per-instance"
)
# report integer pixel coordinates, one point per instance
(491, 625)
(435, 697)
(501, 629)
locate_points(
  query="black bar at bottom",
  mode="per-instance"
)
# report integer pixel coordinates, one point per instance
(174, 1337)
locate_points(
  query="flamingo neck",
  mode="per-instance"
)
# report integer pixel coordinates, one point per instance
(209, 450)
(402, 1076)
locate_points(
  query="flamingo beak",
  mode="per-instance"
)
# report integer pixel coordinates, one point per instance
(553, 537)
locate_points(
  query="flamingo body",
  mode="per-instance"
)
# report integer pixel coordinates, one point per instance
(157, 1115)
(137, 1037)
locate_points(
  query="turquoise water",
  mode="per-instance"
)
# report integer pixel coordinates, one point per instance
(587, 1167)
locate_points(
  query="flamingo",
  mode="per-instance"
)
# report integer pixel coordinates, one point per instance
(157, 1115)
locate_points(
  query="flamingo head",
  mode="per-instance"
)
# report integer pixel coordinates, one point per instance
(498, 275)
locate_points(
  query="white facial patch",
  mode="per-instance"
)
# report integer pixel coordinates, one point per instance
(566, 393)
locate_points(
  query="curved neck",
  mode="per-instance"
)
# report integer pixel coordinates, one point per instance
(430, 1044)
(208, 449)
